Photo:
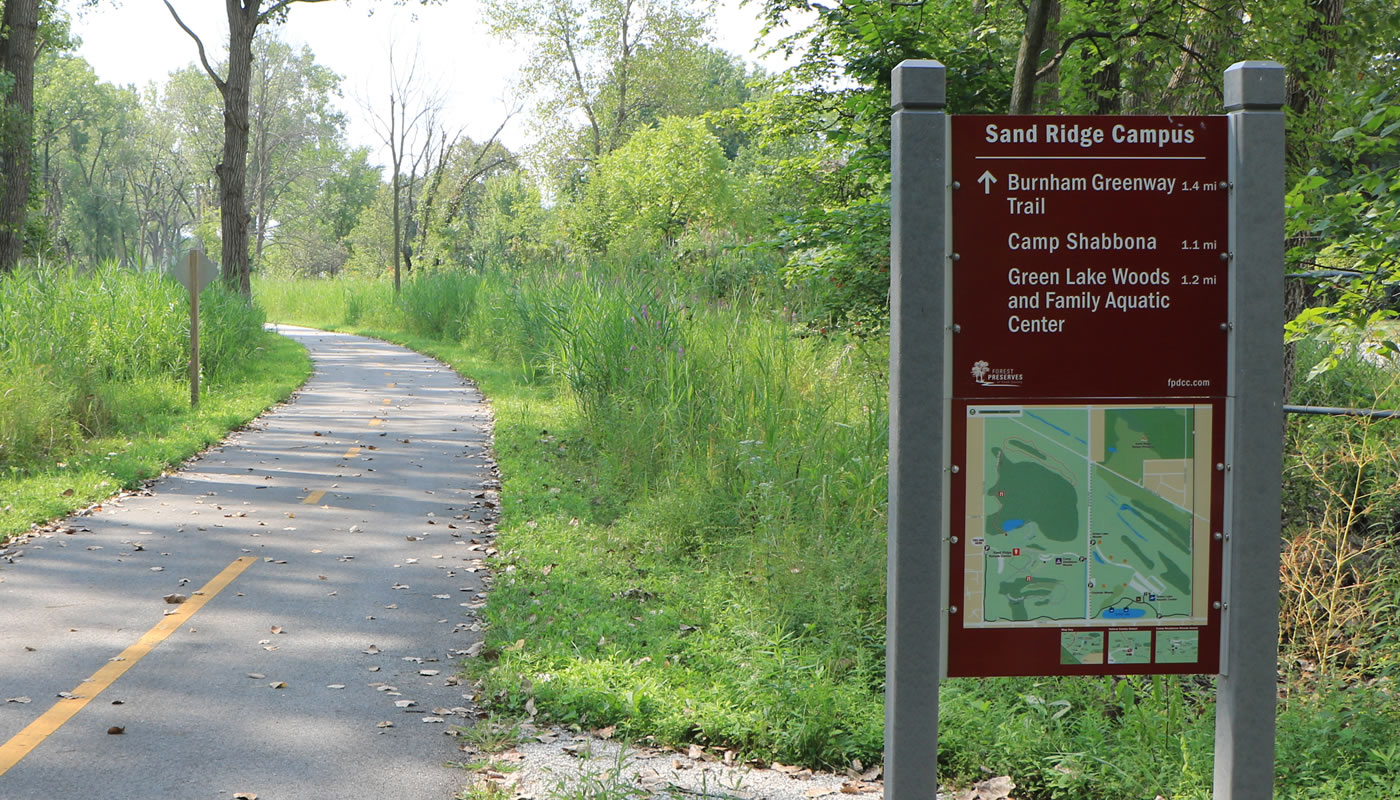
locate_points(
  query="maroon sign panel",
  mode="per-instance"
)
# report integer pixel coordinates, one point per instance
(1090, 256)
(1090, 310)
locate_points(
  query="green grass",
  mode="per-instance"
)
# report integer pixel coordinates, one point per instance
(692, 549)
(95, 386)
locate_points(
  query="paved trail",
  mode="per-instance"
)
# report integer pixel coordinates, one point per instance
(330, 556)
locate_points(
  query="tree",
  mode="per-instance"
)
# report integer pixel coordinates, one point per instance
(664, 181)
(406, 128)
(244, 19)
(19, 40)
(295, 131)
(597, 59)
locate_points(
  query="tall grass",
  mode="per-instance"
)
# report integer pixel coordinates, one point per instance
(80, 350)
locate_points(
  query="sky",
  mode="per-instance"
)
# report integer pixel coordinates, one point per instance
(137, 42)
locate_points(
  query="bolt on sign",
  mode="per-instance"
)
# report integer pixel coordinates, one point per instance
(1090, 319)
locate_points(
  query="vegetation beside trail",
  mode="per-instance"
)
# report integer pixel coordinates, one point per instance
(693, 547)
(95, 384)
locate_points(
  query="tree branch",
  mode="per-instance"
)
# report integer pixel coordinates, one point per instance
(219, 83)
(1064, 50)
(279, 5)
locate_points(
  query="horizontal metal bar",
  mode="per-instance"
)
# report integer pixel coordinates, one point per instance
(1373, 413)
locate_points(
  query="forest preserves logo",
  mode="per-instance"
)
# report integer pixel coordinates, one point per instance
(987, 375)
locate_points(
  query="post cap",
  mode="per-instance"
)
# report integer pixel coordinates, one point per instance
(918, 84)
(1254, 86)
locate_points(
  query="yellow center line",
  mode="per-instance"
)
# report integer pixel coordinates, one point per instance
(387, 402)
(376, 422)
(352, 452)
(389, 385)
(37, 731)
(313, 498)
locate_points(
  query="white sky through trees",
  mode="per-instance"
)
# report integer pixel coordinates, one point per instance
(138, 43)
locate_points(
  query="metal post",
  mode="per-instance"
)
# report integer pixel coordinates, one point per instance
(918, 428)
(194, 327)
(1247, 696)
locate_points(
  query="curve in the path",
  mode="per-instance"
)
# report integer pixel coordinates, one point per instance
(361, 514)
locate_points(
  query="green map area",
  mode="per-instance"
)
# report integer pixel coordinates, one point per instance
(1086, 513)
(1081, 647)
(1178, 647)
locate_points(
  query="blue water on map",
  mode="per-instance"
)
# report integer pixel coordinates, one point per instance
(1124, 613)
(1129, 525)
(1048, 423)
(1112, 449)
(1097, 557)
(1012, 524)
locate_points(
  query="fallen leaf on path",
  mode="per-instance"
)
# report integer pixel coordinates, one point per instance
(404, 703)
(245, 796)
(116, 730)
(385, 724)
(371, 651)
(257, 676)
(277, 629)
(428, 673)
(335, 686)
(278, 685)
(434, 719)
(18, 700)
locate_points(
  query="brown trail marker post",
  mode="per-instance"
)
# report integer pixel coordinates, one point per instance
(1086, 355)
(195, 271)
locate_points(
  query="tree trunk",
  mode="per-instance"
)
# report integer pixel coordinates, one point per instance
(20, 31)
(233, 171)
(1047, 99)
(1028, 57)
(1301, 87)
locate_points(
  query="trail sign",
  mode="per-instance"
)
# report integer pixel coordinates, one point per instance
(195, 269)
(1090, 306)
(1085, 366)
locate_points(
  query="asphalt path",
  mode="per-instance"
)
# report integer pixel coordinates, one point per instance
(281, 618)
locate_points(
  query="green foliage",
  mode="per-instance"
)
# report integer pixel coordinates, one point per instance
(1344, 222)
(94, 376)
(681, 440)
(74, 345)
(664, 181)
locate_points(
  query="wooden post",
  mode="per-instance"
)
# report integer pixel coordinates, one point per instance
(194, 327)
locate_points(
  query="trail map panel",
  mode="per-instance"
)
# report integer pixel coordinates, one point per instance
(1087, 515)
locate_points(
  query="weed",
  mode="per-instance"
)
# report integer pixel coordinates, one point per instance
(596, 780)
(492, 735)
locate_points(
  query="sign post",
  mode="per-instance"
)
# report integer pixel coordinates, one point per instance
(1085, 402)
(918, 429)
(195, 273)
(1247, 688)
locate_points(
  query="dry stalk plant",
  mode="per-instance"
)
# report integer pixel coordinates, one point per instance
(1337, 556)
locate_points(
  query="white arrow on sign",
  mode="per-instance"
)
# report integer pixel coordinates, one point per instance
(987, 180)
